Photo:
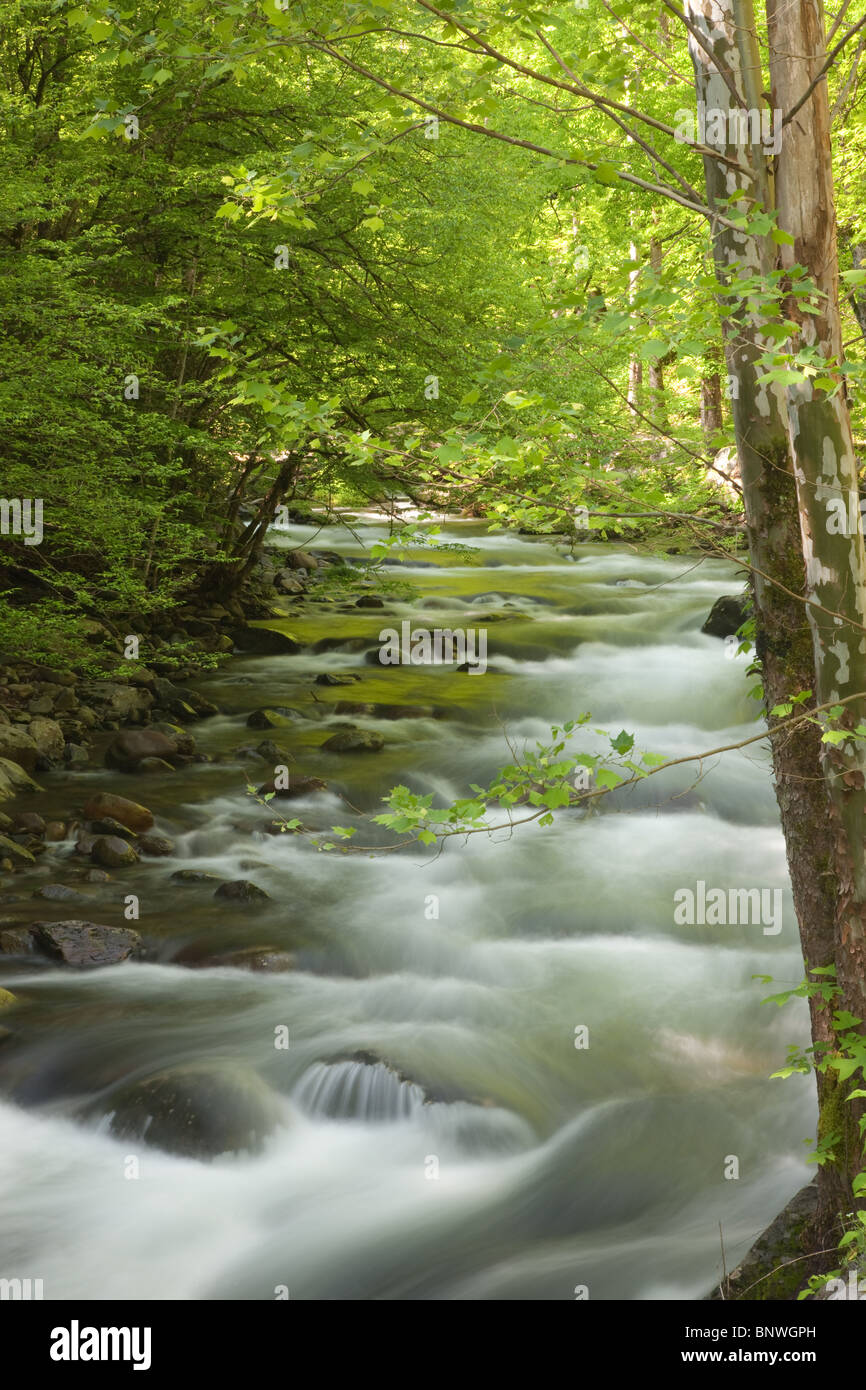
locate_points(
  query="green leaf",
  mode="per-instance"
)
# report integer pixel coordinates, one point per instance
(606, 174)
(606, 777)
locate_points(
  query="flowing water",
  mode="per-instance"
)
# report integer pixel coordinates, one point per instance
(485, 1155)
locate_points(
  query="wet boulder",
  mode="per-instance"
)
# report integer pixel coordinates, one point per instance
(241, 890)
(727, 614)
(301, 560)
(49, 739)
(16, 746)
(156, 846)
(271, 718)
(17, 941)
(107, 826)
(298, 786)
(266, 960)
(85, 944)
(133, 746)
(197, 1110)
(117, 808)
(13, 777)
(154, 765)
(112, 852)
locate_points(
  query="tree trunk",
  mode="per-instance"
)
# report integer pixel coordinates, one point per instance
(765, 444)
(711, 405)
(635, 366)
(825, 468)
(656, 370)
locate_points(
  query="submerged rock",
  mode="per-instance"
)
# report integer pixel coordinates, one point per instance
(241, 890)
(265, 959)
(354, 741)
(199, 1110)
(60, 893)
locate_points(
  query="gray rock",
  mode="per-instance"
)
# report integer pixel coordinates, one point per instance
(85, 944)
(49, 739)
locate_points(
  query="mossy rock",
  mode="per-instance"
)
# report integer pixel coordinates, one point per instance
(774, 1270)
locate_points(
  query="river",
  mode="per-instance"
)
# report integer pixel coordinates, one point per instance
(542, 1168)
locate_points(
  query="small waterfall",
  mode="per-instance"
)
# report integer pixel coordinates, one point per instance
(356, 1090)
